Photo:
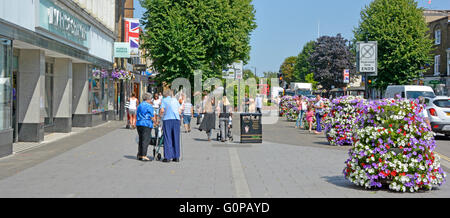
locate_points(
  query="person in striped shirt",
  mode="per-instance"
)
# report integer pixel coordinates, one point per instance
(188, 112)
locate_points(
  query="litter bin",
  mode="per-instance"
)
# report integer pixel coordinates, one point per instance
(251, 128)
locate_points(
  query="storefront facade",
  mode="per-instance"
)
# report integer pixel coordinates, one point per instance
(46, 72)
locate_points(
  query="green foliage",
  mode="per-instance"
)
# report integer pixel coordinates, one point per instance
(187, 35)
(404, 47)
(309, 78)
(287, 69)
(302, 64)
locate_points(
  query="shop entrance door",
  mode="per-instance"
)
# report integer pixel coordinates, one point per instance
(136, 90)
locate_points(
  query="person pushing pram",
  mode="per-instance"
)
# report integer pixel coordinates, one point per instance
(225, 120)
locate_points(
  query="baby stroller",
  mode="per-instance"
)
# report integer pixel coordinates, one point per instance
(225, 125)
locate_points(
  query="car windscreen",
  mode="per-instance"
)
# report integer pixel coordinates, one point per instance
(417, 94)
(445, 103)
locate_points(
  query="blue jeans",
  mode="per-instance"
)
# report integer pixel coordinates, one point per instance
(299, 122)
(319, 119)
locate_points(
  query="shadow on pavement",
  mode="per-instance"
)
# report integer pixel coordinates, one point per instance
(342, 182)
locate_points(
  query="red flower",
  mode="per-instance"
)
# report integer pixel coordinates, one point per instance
(388, 147)
(390, 125)
(394, 173)
(380, 160)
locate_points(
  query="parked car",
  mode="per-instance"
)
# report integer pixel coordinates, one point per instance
(438, 109)
(409, 92)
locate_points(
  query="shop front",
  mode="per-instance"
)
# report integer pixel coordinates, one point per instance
(6, 104)
(46, 71)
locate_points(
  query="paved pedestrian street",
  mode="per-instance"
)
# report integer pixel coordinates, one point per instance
(302, 165)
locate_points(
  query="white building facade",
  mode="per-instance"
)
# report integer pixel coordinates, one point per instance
(49, 50)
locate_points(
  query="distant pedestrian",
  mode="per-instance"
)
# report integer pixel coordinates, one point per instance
(302, 107)
(423, 111)
(156, 103)
(319, 106)
(188, 113)
(133, 104)
(209, 119)
(144, 123)
(170, 112)
(259, 104)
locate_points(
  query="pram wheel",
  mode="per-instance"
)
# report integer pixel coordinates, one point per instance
(158, 157)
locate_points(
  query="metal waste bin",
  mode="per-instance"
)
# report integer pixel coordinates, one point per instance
(251, 128)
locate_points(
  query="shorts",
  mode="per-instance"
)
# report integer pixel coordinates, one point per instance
(132, 111)
(187, 119)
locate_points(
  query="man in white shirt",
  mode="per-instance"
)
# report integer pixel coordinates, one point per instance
(259, 104)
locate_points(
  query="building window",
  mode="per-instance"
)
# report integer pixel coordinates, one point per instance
(437, 37)
(437, 61)
(448, 62)
(5, 84)
(49, 94)
(98, 94)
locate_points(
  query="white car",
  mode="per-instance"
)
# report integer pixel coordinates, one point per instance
(438, 109)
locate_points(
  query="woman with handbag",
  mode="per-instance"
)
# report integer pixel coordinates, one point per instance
(319, 105)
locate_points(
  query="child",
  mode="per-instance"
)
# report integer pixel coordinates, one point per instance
(309, 117)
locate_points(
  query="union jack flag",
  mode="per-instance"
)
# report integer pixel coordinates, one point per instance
(132, 33)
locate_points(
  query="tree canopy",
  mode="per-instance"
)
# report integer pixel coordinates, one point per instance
(404, 47)
(302, 64)
(187, 35)
(329, 59)
(287, 69)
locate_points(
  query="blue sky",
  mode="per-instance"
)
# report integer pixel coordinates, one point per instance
(284, 26)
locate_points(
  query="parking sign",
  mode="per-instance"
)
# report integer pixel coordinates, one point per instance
(368, 58)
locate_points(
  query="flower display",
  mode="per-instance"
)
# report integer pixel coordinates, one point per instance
(393, 146)
(340, 126)
(120, 75)
(99, 74)
(289, 108)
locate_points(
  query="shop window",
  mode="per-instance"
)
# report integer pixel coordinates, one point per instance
(98, 94)
(5, 84)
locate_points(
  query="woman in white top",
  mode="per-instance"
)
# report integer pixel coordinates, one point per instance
(134, 102)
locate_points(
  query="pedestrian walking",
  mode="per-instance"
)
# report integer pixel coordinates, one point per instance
(145, 119)
(259, 104)
(170, 112)
(309, 117)
(319, 105)
(209, 119)
(188, 112)
(132, 107)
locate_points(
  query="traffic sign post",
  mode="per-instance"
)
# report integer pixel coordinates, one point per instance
(367, 60)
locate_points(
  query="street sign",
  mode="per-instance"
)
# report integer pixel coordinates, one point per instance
(367, 58)
(346, 76)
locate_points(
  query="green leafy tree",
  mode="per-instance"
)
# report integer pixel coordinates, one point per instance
(187, 35)
(287, 69)
(404, 46)
(302, 64)
(309, 78)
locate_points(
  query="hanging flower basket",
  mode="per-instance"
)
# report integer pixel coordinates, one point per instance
(99, 74)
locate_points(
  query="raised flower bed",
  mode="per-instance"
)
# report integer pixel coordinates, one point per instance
(393, 147)
(340, 126)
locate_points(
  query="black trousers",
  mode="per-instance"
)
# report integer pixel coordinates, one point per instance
(145, 136)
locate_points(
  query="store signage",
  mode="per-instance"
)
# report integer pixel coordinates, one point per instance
(121, 50)
(346, 76)
(62, 23)
(367, 58)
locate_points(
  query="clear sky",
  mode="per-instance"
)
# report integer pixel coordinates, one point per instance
(284, 26)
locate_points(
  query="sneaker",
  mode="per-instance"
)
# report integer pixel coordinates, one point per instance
(176, 160)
